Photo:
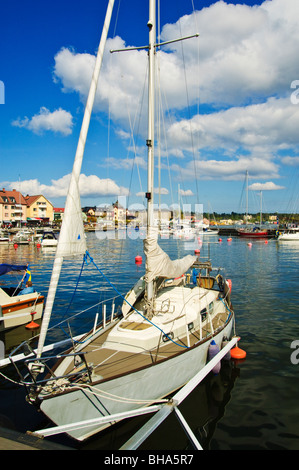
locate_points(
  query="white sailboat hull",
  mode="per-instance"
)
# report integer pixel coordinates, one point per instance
(291, 236)
(150, 383)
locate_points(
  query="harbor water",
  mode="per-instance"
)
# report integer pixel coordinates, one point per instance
(249, 405)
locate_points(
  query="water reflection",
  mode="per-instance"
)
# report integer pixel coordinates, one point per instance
(261, 410)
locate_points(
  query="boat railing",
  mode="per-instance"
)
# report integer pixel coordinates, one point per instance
(39, 368)
(100, 322)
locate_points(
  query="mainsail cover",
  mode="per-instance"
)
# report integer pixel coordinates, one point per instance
(72, 239)
(158, 262)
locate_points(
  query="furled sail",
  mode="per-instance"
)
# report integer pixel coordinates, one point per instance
(158, 262)
(72, 238)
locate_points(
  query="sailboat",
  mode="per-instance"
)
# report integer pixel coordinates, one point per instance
(167, 322)
(253, 231)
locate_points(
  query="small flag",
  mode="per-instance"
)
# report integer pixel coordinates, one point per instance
(27, 276)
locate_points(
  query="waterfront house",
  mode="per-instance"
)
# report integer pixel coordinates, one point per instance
(13, 207)
(39, 209)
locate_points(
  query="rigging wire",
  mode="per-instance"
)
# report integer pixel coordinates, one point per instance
(116, 290)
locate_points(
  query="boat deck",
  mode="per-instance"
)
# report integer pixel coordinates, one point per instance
(111, 363)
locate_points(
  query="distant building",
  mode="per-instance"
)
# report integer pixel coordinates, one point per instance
(13, 207)
(58, 213)
(39, 209)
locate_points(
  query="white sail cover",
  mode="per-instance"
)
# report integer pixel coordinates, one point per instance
(158, 262)
(72, 239)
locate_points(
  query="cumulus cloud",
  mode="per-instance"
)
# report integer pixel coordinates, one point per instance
(240, 54)
(186, 192)
(269, 186)
(89, 186)
(243, 74)
(270, 125)
(126, 163)
(290, 161)
(228, 170)
(57, 121)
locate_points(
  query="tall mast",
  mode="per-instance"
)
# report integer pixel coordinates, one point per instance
(151, 126)
(246, 197)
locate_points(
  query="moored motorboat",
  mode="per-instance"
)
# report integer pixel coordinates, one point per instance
(290, 234)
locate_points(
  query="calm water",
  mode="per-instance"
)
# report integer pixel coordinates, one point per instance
(250, 405)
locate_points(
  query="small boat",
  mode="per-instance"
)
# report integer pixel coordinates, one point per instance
(23, 237)
(4, 239)
(17, 308)
(49, 239)
(209, 231)
(255, 232)
(184, 231)
(291, 234)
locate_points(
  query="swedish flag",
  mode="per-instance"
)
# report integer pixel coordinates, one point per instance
(27, 276)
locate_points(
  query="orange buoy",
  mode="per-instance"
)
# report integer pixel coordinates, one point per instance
(237, 353)
(229, 239)
(32, 325)
(220, 239)
(266, 241)
(15, 245)
(138, 260)
(249, 244)
(38, 245)
(197, 251)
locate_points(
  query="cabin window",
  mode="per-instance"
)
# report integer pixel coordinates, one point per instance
(167, 337)
(203, 313)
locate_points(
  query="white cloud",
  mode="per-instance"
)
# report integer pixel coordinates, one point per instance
(270, 125)
(57, 121)
(89, 186)
(290, 161)
(241, 57)
(126, 163)
(186, 192)
(228, 169)
(242, 66)
(269, 186)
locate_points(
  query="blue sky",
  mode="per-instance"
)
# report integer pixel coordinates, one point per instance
(235, 88)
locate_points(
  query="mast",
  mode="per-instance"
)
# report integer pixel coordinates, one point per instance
(151, 127)
(73, 197)
(246, 197)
